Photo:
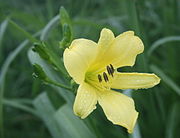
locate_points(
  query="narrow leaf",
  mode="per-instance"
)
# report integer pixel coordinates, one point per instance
(169, 82)
(162, 41)
(46, 112)
(71, 124)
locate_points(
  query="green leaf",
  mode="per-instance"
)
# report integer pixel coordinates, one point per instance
(28, 35)
(169, 82)
(3, 27)
(162, 41)
(51, 74)
(136, 132)
(50, 56)
(34, 58)
(47, 29)
(67, 28)
(19, 105)
(46, 112)
(39, 73)
(71, 124)
(67, 36)
(173, 121)
(40, 49)
(64, 16)
(62, 123)
(4, 70)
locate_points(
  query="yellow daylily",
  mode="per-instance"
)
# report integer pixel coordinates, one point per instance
(94, 67)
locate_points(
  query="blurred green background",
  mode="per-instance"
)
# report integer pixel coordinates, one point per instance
(31, 109)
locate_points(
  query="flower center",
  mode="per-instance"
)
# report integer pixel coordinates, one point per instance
(101, 80)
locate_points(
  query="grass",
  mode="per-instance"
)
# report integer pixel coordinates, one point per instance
(29, 108)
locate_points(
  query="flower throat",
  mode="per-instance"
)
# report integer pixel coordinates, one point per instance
(101, 80)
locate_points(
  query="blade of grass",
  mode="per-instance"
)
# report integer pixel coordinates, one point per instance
(169, 82)
(44, 35)
(4, 70)
(49, 5)
(39, 73)
(160, 42)
(35, 59)
(46, 112)
(172, 122)
(136, 133)
(3, 27)
(19, 105)
(26, 34)
(23, 101)
(74, 126)
(47, 29)
(135, 24)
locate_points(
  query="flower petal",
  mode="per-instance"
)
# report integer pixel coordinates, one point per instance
(134, 80)
(105, 40)
(122, 51)
(119, 109)
(104, 43)
(86, 100)
(78, 57)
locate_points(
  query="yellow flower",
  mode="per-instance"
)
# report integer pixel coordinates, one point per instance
(94, 67)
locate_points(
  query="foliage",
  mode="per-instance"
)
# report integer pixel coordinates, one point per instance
(30, 108)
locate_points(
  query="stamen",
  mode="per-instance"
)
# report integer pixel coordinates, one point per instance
(109, 70)
(99, 78)
(105, 77)
(112, 68)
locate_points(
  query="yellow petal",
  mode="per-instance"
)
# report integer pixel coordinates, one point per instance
(122, 51)
(119, 109)
(104, 43)
(105, 40)
(86, 100)
(134, 80)
(125, 48)
(78, 57)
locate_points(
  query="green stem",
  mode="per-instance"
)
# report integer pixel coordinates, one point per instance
(44, 36)
(28, 35)
(60, 85)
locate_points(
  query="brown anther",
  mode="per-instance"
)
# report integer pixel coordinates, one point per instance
(109, 70)
(105, 77)
(99, 78)
(112, 68)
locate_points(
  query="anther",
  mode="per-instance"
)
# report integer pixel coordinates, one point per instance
(99, 78)
(112, 68)
(109, 70)
(105, 77)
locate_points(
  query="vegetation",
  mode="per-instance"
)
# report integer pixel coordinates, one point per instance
(36, 97)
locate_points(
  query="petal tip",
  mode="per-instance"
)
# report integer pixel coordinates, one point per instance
(140, 44)
(157, 79)
(107, 32)
(78, 112)
(131, 128)
(81, 114)
(130, 32)
(106, 29)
